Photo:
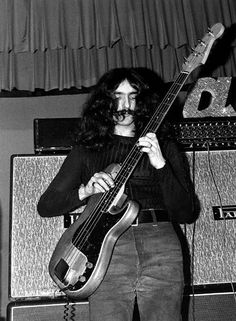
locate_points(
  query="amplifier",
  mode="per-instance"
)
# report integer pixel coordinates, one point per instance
(209, 307)
(206, 133)
(211, 239)
(54, 135)
(57, 135)
(53, 310)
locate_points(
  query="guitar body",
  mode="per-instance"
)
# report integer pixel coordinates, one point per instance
(80, 259)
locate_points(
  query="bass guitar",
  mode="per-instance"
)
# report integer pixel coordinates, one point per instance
(81, 257)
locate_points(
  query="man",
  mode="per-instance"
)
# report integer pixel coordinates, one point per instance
(147, 259)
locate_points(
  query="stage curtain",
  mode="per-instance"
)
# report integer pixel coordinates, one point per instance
(52, 44)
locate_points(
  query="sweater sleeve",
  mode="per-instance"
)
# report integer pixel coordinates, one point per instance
(176, 186)
(61, 196)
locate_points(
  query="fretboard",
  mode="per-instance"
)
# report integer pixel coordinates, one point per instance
(154, 123)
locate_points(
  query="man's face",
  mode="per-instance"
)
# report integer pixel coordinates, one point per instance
(125, 95)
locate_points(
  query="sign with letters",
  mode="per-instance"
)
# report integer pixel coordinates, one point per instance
(218, 89)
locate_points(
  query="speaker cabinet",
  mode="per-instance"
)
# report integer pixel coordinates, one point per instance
(33, 239)
(209, 307)
(45, 311)
(212, 238)
(205, 307)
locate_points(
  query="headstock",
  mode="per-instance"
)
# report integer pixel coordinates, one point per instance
(201, 51)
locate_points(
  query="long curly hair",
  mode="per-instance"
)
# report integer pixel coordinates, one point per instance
(97, 123)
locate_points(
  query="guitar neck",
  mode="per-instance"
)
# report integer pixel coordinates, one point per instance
(154, 123)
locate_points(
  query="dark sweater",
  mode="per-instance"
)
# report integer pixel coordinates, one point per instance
(166, 188)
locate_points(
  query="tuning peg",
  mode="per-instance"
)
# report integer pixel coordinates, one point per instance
(201, 42)
(210, 32)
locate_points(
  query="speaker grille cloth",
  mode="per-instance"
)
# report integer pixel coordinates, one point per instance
(214, 241)
(33, 238)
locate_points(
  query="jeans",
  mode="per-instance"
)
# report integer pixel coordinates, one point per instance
(146, 263)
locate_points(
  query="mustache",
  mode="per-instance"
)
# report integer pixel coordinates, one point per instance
(123, 113)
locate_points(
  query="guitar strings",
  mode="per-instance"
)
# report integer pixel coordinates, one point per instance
(88, 227)
(134, 156)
